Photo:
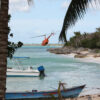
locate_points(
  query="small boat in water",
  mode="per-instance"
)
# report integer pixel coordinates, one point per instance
(22, 73)
(26, 73)
(44, 95)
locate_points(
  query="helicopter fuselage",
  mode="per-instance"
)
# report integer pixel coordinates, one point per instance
(45, 42)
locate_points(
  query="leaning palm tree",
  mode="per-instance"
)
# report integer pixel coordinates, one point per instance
(4, 31)
(76, 10)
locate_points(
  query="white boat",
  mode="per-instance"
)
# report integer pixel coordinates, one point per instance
(22, 73)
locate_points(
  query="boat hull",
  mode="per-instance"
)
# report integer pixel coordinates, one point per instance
(22, 73)
(68, 93)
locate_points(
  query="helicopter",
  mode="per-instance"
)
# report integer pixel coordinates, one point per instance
(46, 39)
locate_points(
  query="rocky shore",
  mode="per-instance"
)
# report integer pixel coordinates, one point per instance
(94, 54)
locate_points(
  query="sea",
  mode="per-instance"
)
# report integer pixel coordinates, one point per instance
(68, 70)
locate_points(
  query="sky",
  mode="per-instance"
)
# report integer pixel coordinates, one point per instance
(46, 16)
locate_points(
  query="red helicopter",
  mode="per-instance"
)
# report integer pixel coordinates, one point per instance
(46, 39)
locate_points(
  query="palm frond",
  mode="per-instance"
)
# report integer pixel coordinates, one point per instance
(76, 10)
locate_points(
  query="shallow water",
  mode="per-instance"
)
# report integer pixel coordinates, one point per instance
(57, 68)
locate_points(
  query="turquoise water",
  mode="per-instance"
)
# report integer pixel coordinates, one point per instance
(57, 68)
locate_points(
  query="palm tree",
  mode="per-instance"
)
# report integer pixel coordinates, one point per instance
(4, 31)
(76, 10)
(3, 45)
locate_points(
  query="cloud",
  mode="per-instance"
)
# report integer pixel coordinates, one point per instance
(18, 5)
(65, 4)
(94, 5)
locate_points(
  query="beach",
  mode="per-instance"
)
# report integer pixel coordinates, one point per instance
(87, 97)
(82, 54)
(88, 58)
(93, 94)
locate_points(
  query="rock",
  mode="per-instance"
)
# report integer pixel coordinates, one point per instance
(80, 52)
(80, 56)
(97, 55)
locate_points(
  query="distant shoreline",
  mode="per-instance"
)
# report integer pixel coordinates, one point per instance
(40, 45)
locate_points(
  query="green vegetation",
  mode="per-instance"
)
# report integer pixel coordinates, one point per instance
(86, 40)
(12, 47)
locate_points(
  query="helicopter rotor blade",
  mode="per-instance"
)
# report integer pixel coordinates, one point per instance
(43, 35)
(38, 36)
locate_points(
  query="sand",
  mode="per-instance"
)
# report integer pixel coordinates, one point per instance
(88, 58)
(87, 97)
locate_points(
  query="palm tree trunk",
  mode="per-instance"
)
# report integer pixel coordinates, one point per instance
(4, 30)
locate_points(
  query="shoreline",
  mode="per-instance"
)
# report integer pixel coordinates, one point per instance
(85, 59)
(82, 54)
(39, 44)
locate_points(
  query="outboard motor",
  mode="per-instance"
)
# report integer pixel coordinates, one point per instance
(41, 70)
